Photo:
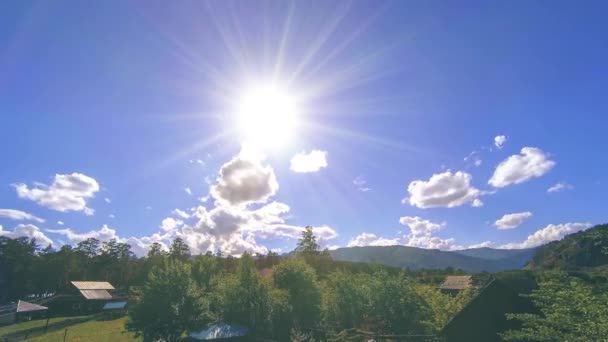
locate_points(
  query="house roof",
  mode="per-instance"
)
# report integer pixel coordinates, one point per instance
(96, 294)
(220, 330)
(114, 305)
(27, 307)
(92, 285)
(457, 283)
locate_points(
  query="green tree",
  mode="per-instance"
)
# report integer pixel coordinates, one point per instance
(169, 304)
(299, 280)
(245, 297)
(346, 300)
(442, 306)
(179, 250)
(570, 310)
(307, 244)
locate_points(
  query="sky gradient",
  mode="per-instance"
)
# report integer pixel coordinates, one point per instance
(430, 124)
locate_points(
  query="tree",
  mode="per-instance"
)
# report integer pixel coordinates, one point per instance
(169, 304)
(245, 297)
(179, 250)
(570, 310)
(346, 300)
(299, 280)
(307, 244)
(89, 247)
(442, 306)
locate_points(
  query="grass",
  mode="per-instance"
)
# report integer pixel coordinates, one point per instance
(92, 330)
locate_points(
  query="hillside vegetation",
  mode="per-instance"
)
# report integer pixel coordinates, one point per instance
(469, 260)
(587, 248)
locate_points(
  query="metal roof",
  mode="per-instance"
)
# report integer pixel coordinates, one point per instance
(114, 305)
(25, 307)
(92, 285)
(457, 283)
(220, 330)
(96, 294)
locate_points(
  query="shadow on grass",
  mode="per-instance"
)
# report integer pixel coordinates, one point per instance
(41, 330)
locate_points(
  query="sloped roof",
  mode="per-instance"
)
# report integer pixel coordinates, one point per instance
(114, 305)
(457, 283)
(92, 285)
(27, 307)
(96, 294)
(220, 330)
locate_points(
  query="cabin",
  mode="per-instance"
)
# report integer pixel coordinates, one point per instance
(220, 332)
(455, 284)
(21, 311)
(82, 297)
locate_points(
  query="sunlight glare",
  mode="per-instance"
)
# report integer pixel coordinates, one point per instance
(267, 116)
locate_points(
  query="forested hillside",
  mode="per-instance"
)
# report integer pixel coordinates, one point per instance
(470, 260)
(587, 248)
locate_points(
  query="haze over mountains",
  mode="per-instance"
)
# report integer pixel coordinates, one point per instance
(469, 260)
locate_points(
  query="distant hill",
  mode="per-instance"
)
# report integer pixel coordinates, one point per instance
(587, 248)
(470, 260)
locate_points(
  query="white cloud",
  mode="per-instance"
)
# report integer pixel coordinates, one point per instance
(482, 244)
(500, 140)
(361, 184)
(107, 200)
(112, 216)
(105, 233)
(419, 226)
(60, 223)
(29, 231)
(311, 162)
(67, 193)
(474, 158)
(197, 161)
(244, 180)
(510, 221)
(530, 163)
(442, 190)
(180, 213)
(421, 234)
(188, 191)
(19, 215)
(547, 234)
(561, 186)
(369, 239)
(477, 203)
(170, 223)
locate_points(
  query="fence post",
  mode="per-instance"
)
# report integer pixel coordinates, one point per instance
(65, 335)
(46, 327)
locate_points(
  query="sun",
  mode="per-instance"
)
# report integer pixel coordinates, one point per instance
(267, 115)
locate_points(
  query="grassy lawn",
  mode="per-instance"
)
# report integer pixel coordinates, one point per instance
(92, 330)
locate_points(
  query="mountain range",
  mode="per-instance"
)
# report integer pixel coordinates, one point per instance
(469, 260)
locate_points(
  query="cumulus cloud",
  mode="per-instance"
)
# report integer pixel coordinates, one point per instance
(561, 186)
(188, 191)
(309, 162)
(29, 231)
(105, 233)
(244, 180)
(421, 234)
(19, 215)
(170, 223)
(499, 141)
(60, 223)
(369, 239)
(107, 200)
(443, 190)
(510, 221)
(547, 234)
(361, 184)
(474, 158)
(532, 162)
(419, 226)
(66, 193)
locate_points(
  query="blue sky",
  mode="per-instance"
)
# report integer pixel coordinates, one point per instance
(397, 112)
